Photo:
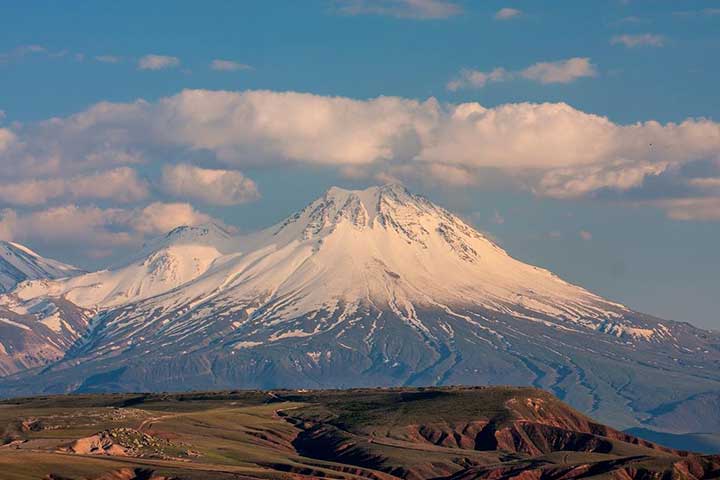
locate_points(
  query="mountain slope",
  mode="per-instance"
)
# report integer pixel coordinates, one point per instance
(18, 263)
(374, 287)
(173, 260)
(42, 330)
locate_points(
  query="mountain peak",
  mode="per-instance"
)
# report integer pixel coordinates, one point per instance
(374, 207)
(370, 198)
(392, 187)
(373, 286)
(19, 263)
(210, 230)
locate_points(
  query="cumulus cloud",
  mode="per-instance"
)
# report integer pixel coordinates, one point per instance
(258, 128)
(638, 40)
(561, 71)
(552, 149)
(97, 138)
(582, 181)
(213, 186)
(93, 227)
(228, 66)
(507, 13)
(120, 184)
(160, 217)
(66, 225)
(415, 9)
(158, 62)
(477, 79)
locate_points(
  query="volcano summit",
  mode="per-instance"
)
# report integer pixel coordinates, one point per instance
(376, 287)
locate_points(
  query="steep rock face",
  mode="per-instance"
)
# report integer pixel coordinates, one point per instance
(365, 288)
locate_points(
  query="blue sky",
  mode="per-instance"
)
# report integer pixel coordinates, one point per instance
(643, 229)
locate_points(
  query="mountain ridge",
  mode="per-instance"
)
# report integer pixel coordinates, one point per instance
(364, 288)
(19, 263)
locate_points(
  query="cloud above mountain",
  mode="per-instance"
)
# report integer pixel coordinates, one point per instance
(199, 143)
(120, 184)
(212, 186)
(99, 230)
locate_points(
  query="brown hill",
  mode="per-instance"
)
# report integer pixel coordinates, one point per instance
(454, 433)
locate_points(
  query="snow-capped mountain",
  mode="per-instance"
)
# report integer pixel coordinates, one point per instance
(182, 255)
(371, 287)
(41, 330)
(19, 263)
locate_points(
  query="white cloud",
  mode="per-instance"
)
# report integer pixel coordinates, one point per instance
(551, 148)
(415, 9)
(507, 13)
(93, 227)
(160, 217)
(158, 62)
(98, 138)
(691, 209)
(120, 184)
(217, 187)
(228, 65)
(477, 79)
(561, 71)
(581, 181)
(639, 40)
